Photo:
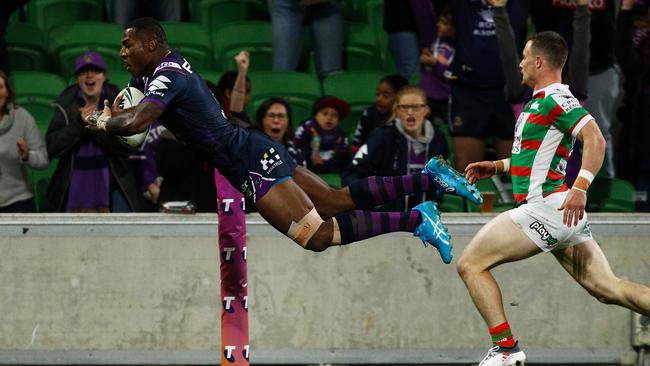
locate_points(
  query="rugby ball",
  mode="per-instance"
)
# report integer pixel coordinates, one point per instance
(131, 97)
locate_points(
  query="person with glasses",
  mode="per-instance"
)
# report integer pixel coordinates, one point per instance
(321, 139)
(274, 118)
(94, 173)
(402, 147)
(292, 199)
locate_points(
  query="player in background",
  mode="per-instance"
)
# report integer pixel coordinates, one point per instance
(549, 217)
(292, 199)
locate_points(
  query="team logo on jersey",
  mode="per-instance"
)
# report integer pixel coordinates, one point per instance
(535, 106)
(159, 83)
(543, 233)
(587, 230)
(270, 160)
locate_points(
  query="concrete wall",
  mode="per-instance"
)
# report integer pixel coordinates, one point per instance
(151, 283)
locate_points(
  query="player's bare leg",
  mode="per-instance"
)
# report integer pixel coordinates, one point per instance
(587, 264)
(284, 205)
(290, 210)
(488, 249)
(327, 200)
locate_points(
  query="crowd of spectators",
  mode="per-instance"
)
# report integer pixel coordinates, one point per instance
(465, 53)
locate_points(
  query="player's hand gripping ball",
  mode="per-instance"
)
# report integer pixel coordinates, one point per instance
(130, 98)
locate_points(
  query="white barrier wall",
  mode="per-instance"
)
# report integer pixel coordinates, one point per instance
(127, 285)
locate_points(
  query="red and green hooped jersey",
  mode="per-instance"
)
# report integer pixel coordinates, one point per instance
(544, 136)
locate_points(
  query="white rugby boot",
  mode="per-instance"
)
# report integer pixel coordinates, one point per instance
(504, 356)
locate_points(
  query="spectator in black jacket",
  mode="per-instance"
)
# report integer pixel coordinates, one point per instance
(400, 148)
(93, 173)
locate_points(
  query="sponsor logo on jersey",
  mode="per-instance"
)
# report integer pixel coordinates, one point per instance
(543, 233)
(270, 160)
(566, 102)
(167, 65)
(587, 229)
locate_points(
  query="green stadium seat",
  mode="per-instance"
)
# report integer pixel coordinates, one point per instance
(37, 83)
(452, 204)
(36, 92)
(192, 41)
(40, 180)
(211, 76)
(214, 13)
(48, 13)
(68, 41)
(357, 88)
(119, 79)
(610, 195)
(26, 46)
(253, 36)
(362, 51)
(300, 89)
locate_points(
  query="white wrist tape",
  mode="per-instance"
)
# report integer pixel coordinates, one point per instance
(586, 174)
(506, 165)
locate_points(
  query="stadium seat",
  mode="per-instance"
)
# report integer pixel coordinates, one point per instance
(214, 13)
(252, 36)
(67, 41)
(357, 88)
(119, 79)
(40, 180)
(26, 46)
(452, 204)
(610, 195)
(36, 92)
(362, 51)
(299, 89)
(211, 76)
(192, 41)
(48, 13)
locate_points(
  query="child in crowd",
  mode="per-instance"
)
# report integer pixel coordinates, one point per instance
(321, 139)
(378, 114)
(436, 62)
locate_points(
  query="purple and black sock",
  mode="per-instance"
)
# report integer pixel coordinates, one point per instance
(375, 191)
(359, 225)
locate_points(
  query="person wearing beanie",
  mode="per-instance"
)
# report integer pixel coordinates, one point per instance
(321, 139)
(93, 173)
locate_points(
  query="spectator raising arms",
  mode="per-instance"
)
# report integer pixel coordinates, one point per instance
(21, 146)
(378, 114)
(400, 148)
(321, 140)
(94, 173)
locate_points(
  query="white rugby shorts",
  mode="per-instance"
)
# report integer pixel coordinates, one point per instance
(542, 223)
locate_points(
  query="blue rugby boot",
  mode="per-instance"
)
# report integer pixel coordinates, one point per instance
(448, 180)
(432, 231)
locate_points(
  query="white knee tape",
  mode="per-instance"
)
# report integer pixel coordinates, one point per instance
(304, 229)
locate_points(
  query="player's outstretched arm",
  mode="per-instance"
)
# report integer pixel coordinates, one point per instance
(485, 169)
(128, 122)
